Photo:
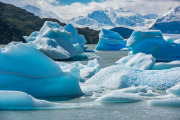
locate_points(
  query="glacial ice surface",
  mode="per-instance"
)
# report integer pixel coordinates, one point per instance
(140, 61)
(166, 65)
(175, 90)
(24, 68)
(152, 42)
(117, 76)
(110, 40)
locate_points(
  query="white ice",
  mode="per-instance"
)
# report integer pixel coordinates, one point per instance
(140, 61)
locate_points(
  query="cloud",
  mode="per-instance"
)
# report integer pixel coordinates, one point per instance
(81, 9)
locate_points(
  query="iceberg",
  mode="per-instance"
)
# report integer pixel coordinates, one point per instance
(80, 39)
(152, 42)
(54, 41)
(175, 90)
(171, 102)
(110, 40)
(119, 97)
(117, 77)
(86, 71)
(139, 61)
(167, 65)
(24, 68)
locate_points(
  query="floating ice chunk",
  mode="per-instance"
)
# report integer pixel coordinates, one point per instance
(24, 68)
(54, 41)
(174, 90)
(117, 76)
(76, 37)
(152, 42)
(86, 71)
(78, 48)
(140, 61)
(171, 102)
(119, 97)
(21, 100)
(163, 65)
(110, 40)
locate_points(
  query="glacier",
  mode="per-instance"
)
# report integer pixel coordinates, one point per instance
(23, 101)
(57, 43)
(110, 40)
(24, 68)
(152, 42)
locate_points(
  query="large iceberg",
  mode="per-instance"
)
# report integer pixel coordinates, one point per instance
(80, 39)
(140, 61)
(54, 41)
(110, 40)
(21, 100)
(152, 42)
(117, 76)
(24, 68)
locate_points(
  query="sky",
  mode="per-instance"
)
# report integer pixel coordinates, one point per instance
(67, 9)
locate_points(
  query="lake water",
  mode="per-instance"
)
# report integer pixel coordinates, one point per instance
(92, 110)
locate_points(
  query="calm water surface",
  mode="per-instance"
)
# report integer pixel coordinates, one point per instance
(92, 110)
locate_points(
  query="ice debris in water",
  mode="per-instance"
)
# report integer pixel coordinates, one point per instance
(117, 76)
(24, 68)
(110, 40)
(171, 101)
(131, 94)
(21, 100)
(86, 71)
(57, 43)
(152, 42)
(143, 61)
(140, 61)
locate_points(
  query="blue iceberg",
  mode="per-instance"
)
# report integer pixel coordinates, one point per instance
(24, 68)
(80, 39)
(110, 40)
(152, 42)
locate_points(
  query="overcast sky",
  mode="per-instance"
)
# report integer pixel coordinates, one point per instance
(72, 8)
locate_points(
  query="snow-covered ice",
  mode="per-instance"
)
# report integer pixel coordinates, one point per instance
(117, 76)
(24, 68)
(110, 40)
(140, 61)
(152, 42)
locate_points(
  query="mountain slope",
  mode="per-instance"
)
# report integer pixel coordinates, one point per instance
(16, 23)
(114, 18)
(38, 12)
(169, 22)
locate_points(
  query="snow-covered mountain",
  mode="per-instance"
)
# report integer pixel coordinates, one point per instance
(169, 22)
(114, 18)
(41, 13)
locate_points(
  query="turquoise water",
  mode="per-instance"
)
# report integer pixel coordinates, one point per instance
(91, 110)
